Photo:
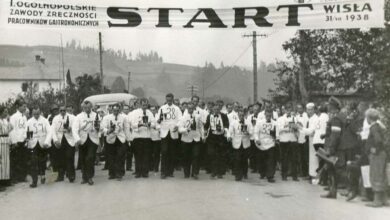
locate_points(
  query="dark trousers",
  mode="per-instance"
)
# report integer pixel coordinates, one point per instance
(178, 153)
(253, 150)
(53, 157)
(216, 147)
(154, 159)
(167, 155)
(116, 156)
(191, 158)
(129, 157)
(87, 154)
(18, 162)
(289, 158)
(65, 156)
(37, 162)
(141, 150)
(203, 157)
(240, 161)
(266, 162)
(304, 158)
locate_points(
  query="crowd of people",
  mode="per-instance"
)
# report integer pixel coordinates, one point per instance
(327, 144)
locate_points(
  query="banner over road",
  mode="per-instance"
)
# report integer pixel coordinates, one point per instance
(195, 14)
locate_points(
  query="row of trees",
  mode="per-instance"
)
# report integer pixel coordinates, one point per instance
(152, 56)
(337, 61)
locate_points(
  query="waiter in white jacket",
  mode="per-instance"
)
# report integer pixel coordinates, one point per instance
(265, 134)
(85, 130)
(114, 126)
(64, 142)
(168, 117)
(191, 129)
(287, 134)
(239, 134)
(18, 151)
(303, 146)
(142, 123)
(39, 138)
(311, 130)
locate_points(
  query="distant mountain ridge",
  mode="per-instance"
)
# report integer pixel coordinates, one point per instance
(155, 78)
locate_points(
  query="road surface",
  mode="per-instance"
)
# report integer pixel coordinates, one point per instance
(178, 198)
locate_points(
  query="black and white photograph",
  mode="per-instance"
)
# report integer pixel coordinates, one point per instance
(194, 110)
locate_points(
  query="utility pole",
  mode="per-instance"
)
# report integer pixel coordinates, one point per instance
(63, 69)
(192, 89)
(254, 36)
(128, 82)
(101, 62)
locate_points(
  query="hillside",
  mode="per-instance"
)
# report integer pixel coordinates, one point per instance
(156, 79)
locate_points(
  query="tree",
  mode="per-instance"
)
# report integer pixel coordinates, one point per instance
(139, 92)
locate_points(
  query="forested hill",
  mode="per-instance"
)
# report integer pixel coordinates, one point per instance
(148, 71)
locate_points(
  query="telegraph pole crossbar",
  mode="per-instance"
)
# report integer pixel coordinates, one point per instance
(254, 36)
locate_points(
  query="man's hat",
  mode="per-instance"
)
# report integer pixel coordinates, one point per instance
(333, 101)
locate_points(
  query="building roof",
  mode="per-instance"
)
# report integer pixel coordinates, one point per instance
(30, 72)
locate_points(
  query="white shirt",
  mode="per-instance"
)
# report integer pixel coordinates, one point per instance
(304, 120)
(320, 129)
(365, 130)
(201, 112)
(128, 130)
(171, 115)
(18, 122)
(58, 130)
(252, 119)
(261, 115)
(232, 116)
(83, 127)
(120, 123)
(238, 136)
(155, 131)
(41, 132)
(139, 127)
(262, 133)
(283, 131)
(185, 127)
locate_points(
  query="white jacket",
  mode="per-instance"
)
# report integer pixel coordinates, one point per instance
(18, 122)
(320, 129)
(262, 133)
(238, 137)
(58, 131)
(201, 112)
(283, 131)
(261, 115)
(232, 116)
(155, 133)
(304, 120)
(83, 127)
(138, 127)
(41, 132)
(252, 119)
(171, 117)
(189, 135)
(120, 123)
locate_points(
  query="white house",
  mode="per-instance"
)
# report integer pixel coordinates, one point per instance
(12, 78)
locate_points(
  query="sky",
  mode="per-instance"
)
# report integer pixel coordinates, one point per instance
(193, 47)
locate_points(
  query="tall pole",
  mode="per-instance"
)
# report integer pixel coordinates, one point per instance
(254, 36)
(63, 67)
(128, 82)
(101, 62)
(254, 43)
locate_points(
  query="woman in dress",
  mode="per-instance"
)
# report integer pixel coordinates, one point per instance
(5, 128)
